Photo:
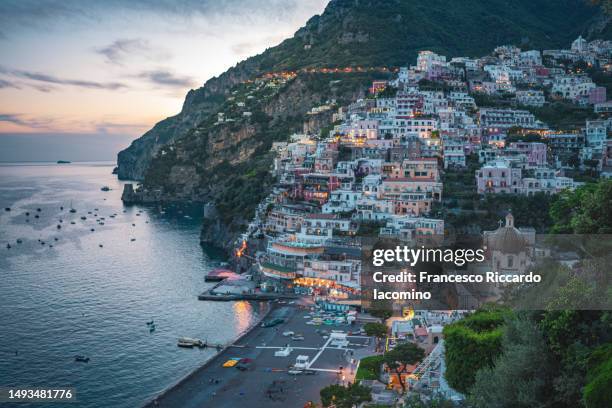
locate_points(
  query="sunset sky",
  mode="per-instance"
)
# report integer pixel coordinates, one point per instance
(117, 67)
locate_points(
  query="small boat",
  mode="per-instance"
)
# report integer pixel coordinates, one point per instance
(72, 222)
(105, 188)
(8, 246)
(81, 359)
(37, 216)
(27, 214)
(189, 342)
(64, 162)
(56, 238)
(133, 239)
(59, 226)
(151, 328)
(72, 210)
(61, 208)
(151, 323)
(38, 209)
(101, 246)
(7, 209)
(83, 218)
(19, 241)
(92, 230)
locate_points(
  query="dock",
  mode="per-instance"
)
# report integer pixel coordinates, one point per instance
(257, 297)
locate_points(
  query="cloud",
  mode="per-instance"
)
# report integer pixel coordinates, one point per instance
(122, 49)
(55, 80)
(166, 78)
(21, 120)
(8, 84)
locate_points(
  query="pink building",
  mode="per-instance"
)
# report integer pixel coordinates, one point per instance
(535, 152)
(597, 95)
(498, 177)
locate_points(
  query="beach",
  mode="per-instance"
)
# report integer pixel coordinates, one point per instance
(267, 383)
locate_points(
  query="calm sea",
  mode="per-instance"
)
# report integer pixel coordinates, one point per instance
(91, 293)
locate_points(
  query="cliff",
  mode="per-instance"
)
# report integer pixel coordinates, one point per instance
(216, 149)
(380, 33)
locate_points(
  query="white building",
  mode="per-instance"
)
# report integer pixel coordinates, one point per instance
(572, 87)
(530, 98)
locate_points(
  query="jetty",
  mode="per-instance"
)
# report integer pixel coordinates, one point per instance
(256, 296)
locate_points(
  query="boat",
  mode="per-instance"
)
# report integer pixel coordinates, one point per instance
(151, 328)
(7, 209)
(188, 342)
(81, 359)
(72, 210)
(150, 323)
(83, 218)
(59, 226)
(8, 246)
(105, 188)
(19, 241)
(64, 162)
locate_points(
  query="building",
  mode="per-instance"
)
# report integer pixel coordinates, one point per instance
(496, 118)
(530, 98)
(509, 248)
(572, 87)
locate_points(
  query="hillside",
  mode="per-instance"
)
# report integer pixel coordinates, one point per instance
(191, 156)
(380, 33)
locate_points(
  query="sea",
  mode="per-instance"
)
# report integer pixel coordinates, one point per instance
(68, 290)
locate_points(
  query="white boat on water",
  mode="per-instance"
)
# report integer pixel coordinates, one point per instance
(189, 342)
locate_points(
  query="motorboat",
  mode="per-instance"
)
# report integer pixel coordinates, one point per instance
(81, 359)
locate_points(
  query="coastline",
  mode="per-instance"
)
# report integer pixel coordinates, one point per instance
(207, 363)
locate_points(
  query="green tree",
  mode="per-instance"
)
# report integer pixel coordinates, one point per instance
(471, 344)
(402, 356)
(383, 314)
(597, 392)
(415, 401)
(378, 330)
(345, 397)
(585, 210)
(522, 375)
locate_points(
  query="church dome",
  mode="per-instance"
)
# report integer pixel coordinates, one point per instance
(506, 239)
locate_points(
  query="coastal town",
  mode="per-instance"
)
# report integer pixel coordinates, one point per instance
(387, 169)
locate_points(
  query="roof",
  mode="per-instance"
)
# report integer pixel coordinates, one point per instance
(411, 179)
(420, 331)
(321, 216)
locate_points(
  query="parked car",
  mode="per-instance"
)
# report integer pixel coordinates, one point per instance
(244, 364)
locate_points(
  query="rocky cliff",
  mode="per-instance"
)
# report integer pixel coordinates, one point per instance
(216, 149)
(380, 33)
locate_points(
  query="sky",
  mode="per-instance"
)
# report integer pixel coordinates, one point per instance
(114, 68)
